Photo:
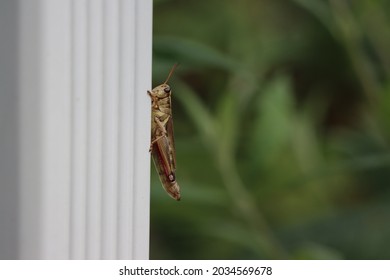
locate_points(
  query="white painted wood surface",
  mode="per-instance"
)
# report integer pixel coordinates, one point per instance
(83, 129)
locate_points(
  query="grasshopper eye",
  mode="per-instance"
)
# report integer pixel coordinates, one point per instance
(167, 89)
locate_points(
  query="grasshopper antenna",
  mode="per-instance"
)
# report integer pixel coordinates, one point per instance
(171, 72)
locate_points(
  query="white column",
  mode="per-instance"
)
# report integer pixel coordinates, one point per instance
(83, 129)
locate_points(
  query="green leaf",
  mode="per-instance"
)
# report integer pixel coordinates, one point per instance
(274, 123)
(227, 119)
(191, 53)
(196, 110)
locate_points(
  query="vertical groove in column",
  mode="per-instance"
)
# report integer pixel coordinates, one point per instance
(79, 129)
(110, 131)
(71, 194)
(55, 120)
(95, 130)
(126, 127)
(141, 191)
(135, 88)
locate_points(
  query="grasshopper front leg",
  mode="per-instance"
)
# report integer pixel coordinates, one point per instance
(161, 127)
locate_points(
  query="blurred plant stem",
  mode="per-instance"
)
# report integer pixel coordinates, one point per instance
(248, 209)
(243, 202)
(352, 38)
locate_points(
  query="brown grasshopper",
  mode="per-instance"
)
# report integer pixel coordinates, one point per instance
(162, 144)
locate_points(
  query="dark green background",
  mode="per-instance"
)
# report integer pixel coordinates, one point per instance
(282, 128)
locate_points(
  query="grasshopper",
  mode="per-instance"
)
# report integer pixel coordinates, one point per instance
(162, 144)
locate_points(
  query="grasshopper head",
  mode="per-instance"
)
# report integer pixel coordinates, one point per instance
(162, 91)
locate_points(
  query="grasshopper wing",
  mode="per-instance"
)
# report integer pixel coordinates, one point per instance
(163, 157)
(172, 143)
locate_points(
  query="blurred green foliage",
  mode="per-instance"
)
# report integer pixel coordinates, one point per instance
(281, 112)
